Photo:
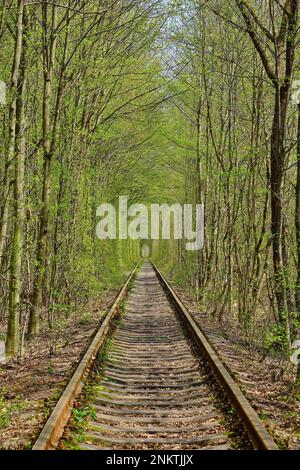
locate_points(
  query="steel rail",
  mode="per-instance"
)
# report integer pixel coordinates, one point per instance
(257, 433)
(54, 427)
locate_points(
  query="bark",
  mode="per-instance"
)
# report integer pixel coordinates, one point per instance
(277, 172)
(12, 127)
(41, 258)
(297, 219)
(13, 330)
(199, 257)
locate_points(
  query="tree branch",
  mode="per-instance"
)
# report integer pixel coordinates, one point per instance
(259, 23)
(256, 41)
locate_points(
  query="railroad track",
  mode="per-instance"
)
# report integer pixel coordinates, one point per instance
(152, 391)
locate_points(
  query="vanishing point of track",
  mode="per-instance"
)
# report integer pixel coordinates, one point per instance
(153, 391)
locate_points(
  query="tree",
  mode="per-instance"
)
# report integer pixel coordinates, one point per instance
(17, 151)
(279, 66)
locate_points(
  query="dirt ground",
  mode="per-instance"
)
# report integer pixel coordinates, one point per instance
(31, 386)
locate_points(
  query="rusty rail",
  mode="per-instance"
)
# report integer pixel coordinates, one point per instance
(257, 433)
(54, 427)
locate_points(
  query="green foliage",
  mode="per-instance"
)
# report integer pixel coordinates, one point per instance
(144, 96)
(80, 415)
(7, 409)
(5, 413)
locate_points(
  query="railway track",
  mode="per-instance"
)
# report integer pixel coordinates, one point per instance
(151, 391)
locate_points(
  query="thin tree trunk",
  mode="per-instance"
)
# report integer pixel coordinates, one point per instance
(277, 171)
(49, 63)
(12, 128)
(13, 330)
(297, 219)
(199, 257)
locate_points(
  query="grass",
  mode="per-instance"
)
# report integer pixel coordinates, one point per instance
(80, 415)
(85, 318)
(263, 417)
(5, 414)
(79, 425)
(50, 367)
(7, 408)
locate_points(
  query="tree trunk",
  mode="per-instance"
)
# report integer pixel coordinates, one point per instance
(199, 257)
(41, 258)
(297, 219)
(12, 127)
(277, 172)
(13, 330)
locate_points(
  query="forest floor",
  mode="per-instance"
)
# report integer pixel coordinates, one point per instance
(31, 386)
(268, 382)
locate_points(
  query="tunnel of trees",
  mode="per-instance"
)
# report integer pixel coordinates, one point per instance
(174, 101)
